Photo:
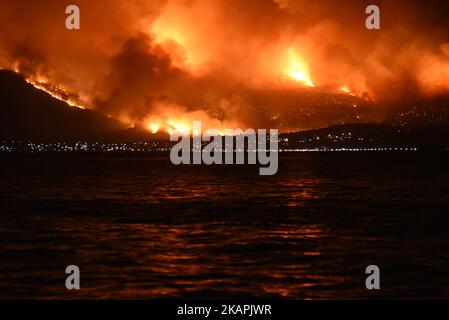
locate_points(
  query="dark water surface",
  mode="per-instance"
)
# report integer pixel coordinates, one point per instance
(139, 227)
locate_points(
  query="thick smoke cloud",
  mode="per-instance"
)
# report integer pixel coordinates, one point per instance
(140, 59)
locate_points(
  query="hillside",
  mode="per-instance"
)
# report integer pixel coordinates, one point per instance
(29, 113)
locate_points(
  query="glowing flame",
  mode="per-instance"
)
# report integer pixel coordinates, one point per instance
(297, 69)
(154, 127)
(183, 128)
(175, 119)
(179, 127)
(345, 89)
(56, 92)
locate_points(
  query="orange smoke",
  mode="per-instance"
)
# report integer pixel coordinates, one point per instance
(229, 62)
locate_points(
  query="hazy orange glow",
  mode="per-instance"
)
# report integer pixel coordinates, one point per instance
(171, 38)
(182, 31)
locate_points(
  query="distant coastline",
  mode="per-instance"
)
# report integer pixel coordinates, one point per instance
(344, 138)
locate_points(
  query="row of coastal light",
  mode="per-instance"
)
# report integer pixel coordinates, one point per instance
(155, 146)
